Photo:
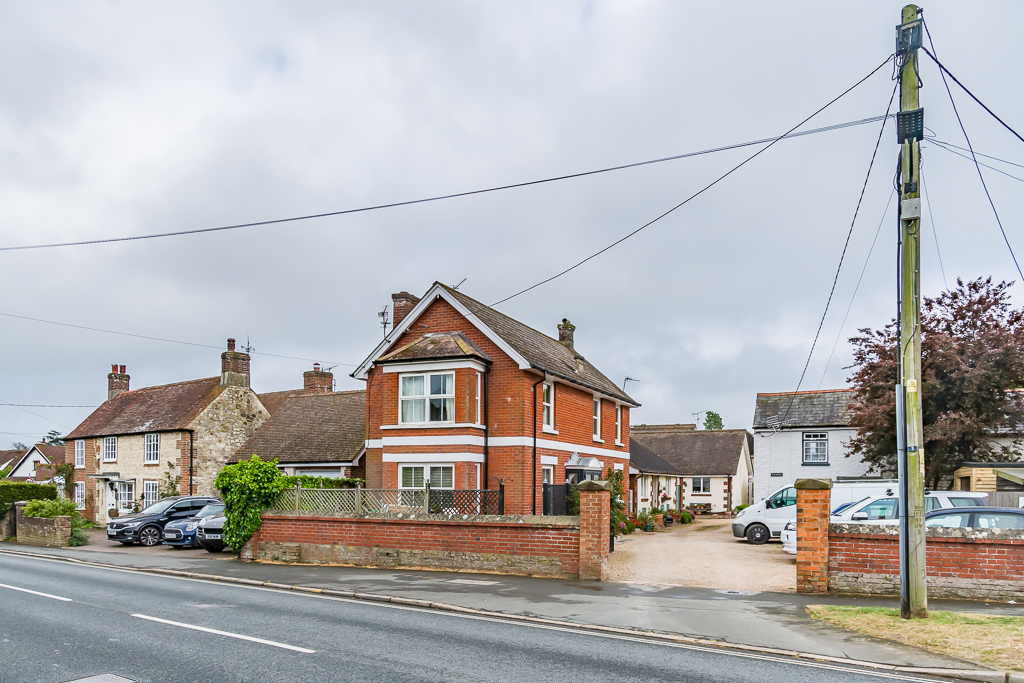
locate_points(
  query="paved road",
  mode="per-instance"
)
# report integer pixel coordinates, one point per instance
(60, 622)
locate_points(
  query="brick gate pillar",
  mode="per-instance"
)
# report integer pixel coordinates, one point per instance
(813, 501)
(595, 528)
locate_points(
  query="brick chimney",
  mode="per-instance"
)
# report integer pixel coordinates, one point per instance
(401, 304)
(318, 381)
(117, 381)
(234, 367)
(565, 330)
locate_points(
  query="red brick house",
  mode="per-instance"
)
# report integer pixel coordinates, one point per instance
(464, 397)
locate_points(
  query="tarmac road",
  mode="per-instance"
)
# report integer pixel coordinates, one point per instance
(61, 622)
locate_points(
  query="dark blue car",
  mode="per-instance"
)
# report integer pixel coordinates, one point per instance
(182, 533)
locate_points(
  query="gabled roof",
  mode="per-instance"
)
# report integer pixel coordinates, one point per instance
(824, 408)
(11, 458)
(167, 407)
(647, 461)
(50, 454)
(528, 347)
(275, 399)
(311, 428)
(55, 454)
(707, 452)
(436, 345)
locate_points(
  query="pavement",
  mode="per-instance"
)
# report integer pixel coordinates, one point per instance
(764, 619)
(61, 621)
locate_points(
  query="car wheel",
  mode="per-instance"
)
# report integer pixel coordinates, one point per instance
(149, 536)
(758, 534)
(213, 548)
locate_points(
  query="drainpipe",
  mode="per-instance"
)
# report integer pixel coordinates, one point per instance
(191, 459)
(487, 428)
(533, 492)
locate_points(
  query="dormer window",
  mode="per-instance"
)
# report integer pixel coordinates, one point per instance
(429, 397)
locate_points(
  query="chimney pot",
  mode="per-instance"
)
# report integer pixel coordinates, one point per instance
(122, 369)
(565, 333)
(401, 304)
(113, 368)
(231, 344)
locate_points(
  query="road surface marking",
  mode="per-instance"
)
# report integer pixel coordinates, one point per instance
(45, 595)
(225, 633)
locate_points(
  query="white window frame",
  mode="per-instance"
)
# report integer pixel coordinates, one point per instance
(79, 454)
(426, 396)
(700, 489)
(79, 495)
(811, 439)
(547, 403)
(152, 449)
(479, 415)
(618, 425)
(426, 467)
(125, 504)
(110, 449)
(547, 474)
(150, 492)
(597, 420)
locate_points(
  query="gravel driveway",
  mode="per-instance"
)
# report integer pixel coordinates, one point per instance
(702, 555)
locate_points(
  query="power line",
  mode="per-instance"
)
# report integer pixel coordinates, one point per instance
(42, 405)
(943, 71)
(41, 417)
(931, 219)
(163, 339)
(378, 207)
(944, 148)
(705, 188)
(987, 156)
(839, 334)
(842, 256)
(957, 81)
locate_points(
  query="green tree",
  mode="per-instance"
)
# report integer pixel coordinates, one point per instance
(247, 488)
(713, 420)
(972, 365)
(54, 438)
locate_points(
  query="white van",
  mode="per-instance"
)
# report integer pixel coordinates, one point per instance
(885, 509)
(765, 520)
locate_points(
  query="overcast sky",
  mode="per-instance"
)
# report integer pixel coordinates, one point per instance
(127, 118)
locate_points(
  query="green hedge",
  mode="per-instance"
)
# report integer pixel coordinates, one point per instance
(13, 491)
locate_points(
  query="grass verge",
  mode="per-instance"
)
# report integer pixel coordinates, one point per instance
(994, 640)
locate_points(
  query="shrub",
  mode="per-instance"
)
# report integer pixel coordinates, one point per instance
(739, 507)
(247, 488)
(685, 516)
(572, 501)
(13, 491)
(50, 508)
(310, 482)
(78, 537)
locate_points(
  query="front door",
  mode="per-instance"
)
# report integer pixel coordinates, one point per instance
(110, 498)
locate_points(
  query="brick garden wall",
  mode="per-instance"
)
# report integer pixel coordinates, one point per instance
(563, 547)
(54, 531)
(973, 564)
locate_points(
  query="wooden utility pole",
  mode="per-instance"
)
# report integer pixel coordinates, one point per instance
(914, 591)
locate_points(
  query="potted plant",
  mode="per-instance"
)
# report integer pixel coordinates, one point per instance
(659, 516)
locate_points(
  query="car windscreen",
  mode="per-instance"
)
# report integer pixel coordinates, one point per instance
(965, 501)
(847, 506)
(158, 507)
(211, 509)
(952, 520)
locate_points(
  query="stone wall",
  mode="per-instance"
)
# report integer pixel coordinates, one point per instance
(220, 430)
(54, 531)
(8, 524)
(971, 564)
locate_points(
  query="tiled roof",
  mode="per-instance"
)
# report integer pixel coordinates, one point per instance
(827, 408)
(436, 345)
(275, 399)
(542, 351)
(707, 452)
(311, 428)
(162, 408)
(647, 461)
(55, 454)
(11, 458)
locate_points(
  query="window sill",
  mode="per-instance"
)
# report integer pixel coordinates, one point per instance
(701, 494)
(619, 443)
(150, 464)
(549, 430)
(436, 425)
(814, 464)
(79, 467)
(597, 440)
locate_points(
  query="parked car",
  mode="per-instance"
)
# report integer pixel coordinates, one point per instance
(210, 533)
(885, 510)
(182, 533)
(765, 519)
(147, 527)
(976, 518)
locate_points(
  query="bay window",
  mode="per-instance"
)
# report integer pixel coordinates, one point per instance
(417, 476)
(428, 397)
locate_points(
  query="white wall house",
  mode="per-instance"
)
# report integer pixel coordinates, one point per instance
(803, 435)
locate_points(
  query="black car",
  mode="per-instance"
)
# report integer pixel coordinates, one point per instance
(147, 527)
(210, 534)
(976, 518)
